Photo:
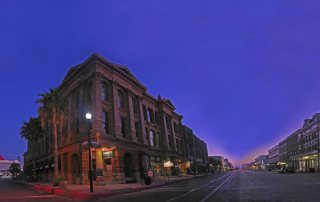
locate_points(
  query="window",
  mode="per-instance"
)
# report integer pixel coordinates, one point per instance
(106, 121)
(123, 126)
(105, 91)
(145, 113)
(151, 138)
(137, 127)
(150, 115)
(156, 117)
(135, 105)
(120, 99)
(177, 145)
(168, 123)
(175, 127)
(157, 140)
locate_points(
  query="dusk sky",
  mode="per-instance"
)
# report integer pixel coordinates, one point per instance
(244, 74)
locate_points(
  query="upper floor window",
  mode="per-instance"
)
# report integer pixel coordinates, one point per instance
(106, 121)
(120, 99)
(105, 91)
(145, 116)
(168, 123)
(150, 115)
(123, 127)
(151, 138)
(175, 127)
(135, 105)
(156, 117)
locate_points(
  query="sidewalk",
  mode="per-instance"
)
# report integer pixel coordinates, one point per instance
(82, 192)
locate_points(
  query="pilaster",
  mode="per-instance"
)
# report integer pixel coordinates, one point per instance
(131, 117)
(116, 114)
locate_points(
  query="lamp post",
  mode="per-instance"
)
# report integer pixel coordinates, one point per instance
(88, 117)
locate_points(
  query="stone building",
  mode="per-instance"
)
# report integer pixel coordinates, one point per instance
(133, 131)
(283, 156)
(306, 157)
(273, 157)
(301, 149)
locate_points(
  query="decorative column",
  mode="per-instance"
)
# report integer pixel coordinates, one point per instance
(142, 130)
(165, 129)
(173, 135)
(81, 111)
(116, 114)
(97, 116)
(131, 117)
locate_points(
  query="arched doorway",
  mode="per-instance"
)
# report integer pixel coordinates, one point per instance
(75, 168)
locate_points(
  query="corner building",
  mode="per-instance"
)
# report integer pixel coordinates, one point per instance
(133, 130)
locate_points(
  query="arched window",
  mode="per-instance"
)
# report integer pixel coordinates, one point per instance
(105, 91)
(120, 99)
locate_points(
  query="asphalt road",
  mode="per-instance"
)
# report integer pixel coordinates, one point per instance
(12, 192)
(233, 186)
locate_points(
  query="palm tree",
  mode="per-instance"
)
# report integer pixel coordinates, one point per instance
(51, 110)
(31, 130)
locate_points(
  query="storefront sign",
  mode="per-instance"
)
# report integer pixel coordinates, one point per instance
(188, 164)
(168, 164)
(107, 154)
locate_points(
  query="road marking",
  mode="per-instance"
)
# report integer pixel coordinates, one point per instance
(216, 189)
(23, 197)
(262, 187)
(194, 189)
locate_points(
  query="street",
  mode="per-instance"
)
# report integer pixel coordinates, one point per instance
(233, 186)
(10, 191)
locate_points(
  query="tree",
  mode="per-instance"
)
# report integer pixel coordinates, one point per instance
(31, 130)
(51, 110)
(14, 169)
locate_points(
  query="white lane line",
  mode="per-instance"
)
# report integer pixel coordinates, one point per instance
(216, 189)
(23, 197)
(262, 187)
(194, 189)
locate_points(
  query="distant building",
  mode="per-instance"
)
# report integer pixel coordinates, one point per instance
(300, 149)
(5, 165)
(283, 156)
(216, 163)
(261, 162)
(227, 166)
(195, 151)
(273, 157)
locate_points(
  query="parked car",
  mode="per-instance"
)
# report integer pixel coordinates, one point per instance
(287, 170)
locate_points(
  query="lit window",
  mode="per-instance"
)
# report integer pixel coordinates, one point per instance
(151, 138)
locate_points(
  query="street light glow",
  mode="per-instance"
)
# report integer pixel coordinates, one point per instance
(88, 116)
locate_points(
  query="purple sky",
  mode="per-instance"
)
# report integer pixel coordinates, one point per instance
(243, 74)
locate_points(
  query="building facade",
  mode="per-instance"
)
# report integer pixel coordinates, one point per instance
(300, 150)
(273, 157)
(261, 162)
(133, 130)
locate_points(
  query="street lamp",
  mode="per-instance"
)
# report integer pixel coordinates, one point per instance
(88, 117)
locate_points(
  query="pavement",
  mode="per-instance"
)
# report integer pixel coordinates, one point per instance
(235, 186)
(81, 192)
